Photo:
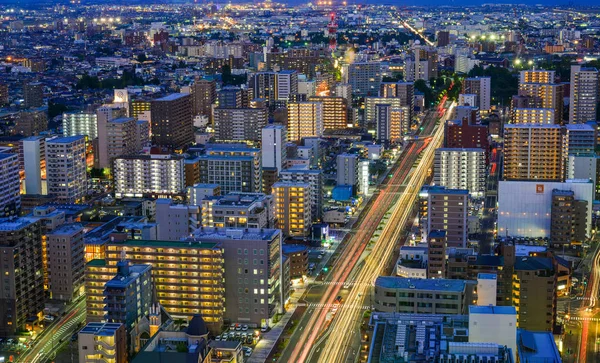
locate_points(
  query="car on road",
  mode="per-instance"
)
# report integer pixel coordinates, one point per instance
(264, 328)
(49, 318)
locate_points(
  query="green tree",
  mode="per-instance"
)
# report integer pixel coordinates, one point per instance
(422, 87)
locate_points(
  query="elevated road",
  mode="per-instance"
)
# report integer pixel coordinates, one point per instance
(394, 202)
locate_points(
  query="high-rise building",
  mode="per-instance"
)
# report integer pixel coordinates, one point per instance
(104, 342)
(460, 134)
(124, 136)
(314, 177)
(542, 95)
(66, 168)
(482, 87)
(405, 91)
(66, 262)
(239, 124)
(335, 111)
(10, 198)
(34, 164)
(172, 125)
(128, 295)
(233, 167)
(80, 123)
(534, 293)
(140, 108)
(436, 254)
(364, 78)
(292, 208)
(371, 106)
(22, 282)
(31, 122)
(274, 86)
(533, 152)
(204, 95)
(391, 122)
(461, 169)
(445, 209)
(305, 119)
(585, 84)
(143, 175)
(4, 99)
(287, 84)
(579, 139)
(33, 93)
(470, 99)
(567, 218)
(533, 116)
(239, 210)
(230, 97)
(274, 152)
(104, 115)
(421, 64)
(443, 38)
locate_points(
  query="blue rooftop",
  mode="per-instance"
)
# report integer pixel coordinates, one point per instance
(66, 140)
(342, 193)
(293, 248)
(395, 282)
(498, 310)
(484, 276)
(537, 347)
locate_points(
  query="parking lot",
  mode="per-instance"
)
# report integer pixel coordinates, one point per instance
(242, 333)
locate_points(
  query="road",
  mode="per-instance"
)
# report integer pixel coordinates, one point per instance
(48, 343)
(589, 349)
(395, 203)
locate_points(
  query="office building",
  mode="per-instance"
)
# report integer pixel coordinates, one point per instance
(172, 121)
(533, 152)
(434, 337)
(66, 168)
(66, 262)
(395, 294)
(363, 78)
(421, 64)
(579, 139)
(204, 95)
(305, 119)
(33, 93)
(254, 273)
(445, 209)
(293, 208)
(34, 165)
(128, 295)
(239, 124)
(335, 111)
(437, 242)
(543, 116)
(10, 198)
(104, 115)
(461, 169)
(230, 97)
(534, 293)
(567, 218)
(175, 221)
(140, 109)
(287, 84)
(314, 178)
(201, 291)
(148, 175)
(584, 94)
(274, 86)
(22, 283)
(234, 168)
(496, 324)
(80, 123)
(443, 38)
(298, 256)
(31, 122)
(482, 87)
(525, 207)
(102, 342)
(460, 134)
(273, 150)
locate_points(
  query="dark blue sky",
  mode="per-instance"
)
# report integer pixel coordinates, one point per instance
(391, 2)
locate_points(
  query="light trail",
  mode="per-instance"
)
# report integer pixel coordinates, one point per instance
(335, 349)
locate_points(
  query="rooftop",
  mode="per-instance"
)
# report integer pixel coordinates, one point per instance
(486, 276)
(394, 282)
(537, 347)
(100, 328)
(165, 244)
(497, 310)
(172, 97)
(65, 140)
(263, 234)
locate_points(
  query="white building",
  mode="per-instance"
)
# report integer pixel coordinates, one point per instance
(524, 206)
(469, 99)
(482, 87)
(363, 177)
(287, 84)
(34, 163)
(582, 167)
(66, 168)
(496, 324)
(487, 287)
(347, 169)
(80, 123)
(274, 152)
(10, 199)
(148, 175)
(176, 221)
(461, 169)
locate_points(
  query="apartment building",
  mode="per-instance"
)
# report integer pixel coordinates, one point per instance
(66, 169)
(66, 262)
(292, 208)
(154, 175)
(461, 169)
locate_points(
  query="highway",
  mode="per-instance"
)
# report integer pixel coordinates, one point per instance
(396, 200)
(48, 343)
